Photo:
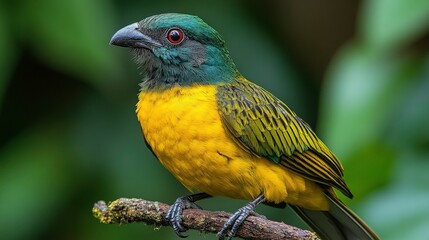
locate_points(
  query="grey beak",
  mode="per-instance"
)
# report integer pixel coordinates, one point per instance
(130, 36)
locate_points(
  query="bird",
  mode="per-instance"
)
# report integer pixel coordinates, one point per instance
(220, 134)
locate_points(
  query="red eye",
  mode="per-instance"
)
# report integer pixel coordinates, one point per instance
(175, 36)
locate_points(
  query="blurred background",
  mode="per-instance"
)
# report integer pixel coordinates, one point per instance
(356, 71)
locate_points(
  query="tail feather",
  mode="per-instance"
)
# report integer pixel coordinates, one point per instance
(339, 223)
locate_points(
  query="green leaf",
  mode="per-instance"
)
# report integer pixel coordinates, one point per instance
(374, 117)
(400, 212)
(411, 126)
(386, 24)
(361, 97)
(375, 161)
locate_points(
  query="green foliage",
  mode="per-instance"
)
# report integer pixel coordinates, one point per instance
(34, 183)
(70, 36)
(375, 116)
(389, 24)
(69, 135)
(7, 47)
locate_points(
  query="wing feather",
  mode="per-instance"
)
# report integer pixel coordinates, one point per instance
(265, 126)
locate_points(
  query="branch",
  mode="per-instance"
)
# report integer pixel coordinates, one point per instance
(128, 210)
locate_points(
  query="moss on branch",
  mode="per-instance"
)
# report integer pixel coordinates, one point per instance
(129, 210)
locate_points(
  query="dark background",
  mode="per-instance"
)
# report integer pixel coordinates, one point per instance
(357, 71)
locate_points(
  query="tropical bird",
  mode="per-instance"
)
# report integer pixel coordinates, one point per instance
(223, 135)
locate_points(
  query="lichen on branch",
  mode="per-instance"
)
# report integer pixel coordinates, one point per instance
(129, 210)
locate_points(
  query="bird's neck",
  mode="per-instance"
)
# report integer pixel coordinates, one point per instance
(159, 75)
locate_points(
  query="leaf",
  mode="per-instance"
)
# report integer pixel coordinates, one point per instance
(375, 161)
(411, 126)
(374, 117)
(361, 96)
(400, 212)
(386, 24)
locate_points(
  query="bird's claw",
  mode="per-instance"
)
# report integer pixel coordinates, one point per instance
(230, 228)
(174, 215)
(234, 222)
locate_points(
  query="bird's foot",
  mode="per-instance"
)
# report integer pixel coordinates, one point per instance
(174, 214)
(230, 228)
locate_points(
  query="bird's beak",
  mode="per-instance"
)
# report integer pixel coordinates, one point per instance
(130, 36)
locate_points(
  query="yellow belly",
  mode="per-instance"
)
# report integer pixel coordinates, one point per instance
(184, 129)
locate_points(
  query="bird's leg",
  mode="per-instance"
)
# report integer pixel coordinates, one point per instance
(174, 214)
(235, 221)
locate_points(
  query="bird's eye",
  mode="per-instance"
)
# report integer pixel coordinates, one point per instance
(175, 36)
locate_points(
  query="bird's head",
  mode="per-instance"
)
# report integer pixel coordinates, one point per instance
(177, 49)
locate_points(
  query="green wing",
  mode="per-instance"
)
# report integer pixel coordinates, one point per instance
(265, 126)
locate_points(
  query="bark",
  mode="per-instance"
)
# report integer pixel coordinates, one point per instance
(129, 210)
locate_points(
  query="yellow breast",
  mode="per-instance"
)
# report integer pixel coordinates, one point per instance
(185, 131)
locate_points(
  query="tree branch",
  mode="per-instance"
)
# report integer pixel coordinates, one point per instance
(128, 210)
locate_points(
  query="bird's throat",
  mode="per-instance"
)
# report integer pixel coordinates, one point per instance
(160, 74)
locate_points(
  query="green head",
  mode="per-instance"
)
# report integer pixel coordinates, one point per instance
(177, 49)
